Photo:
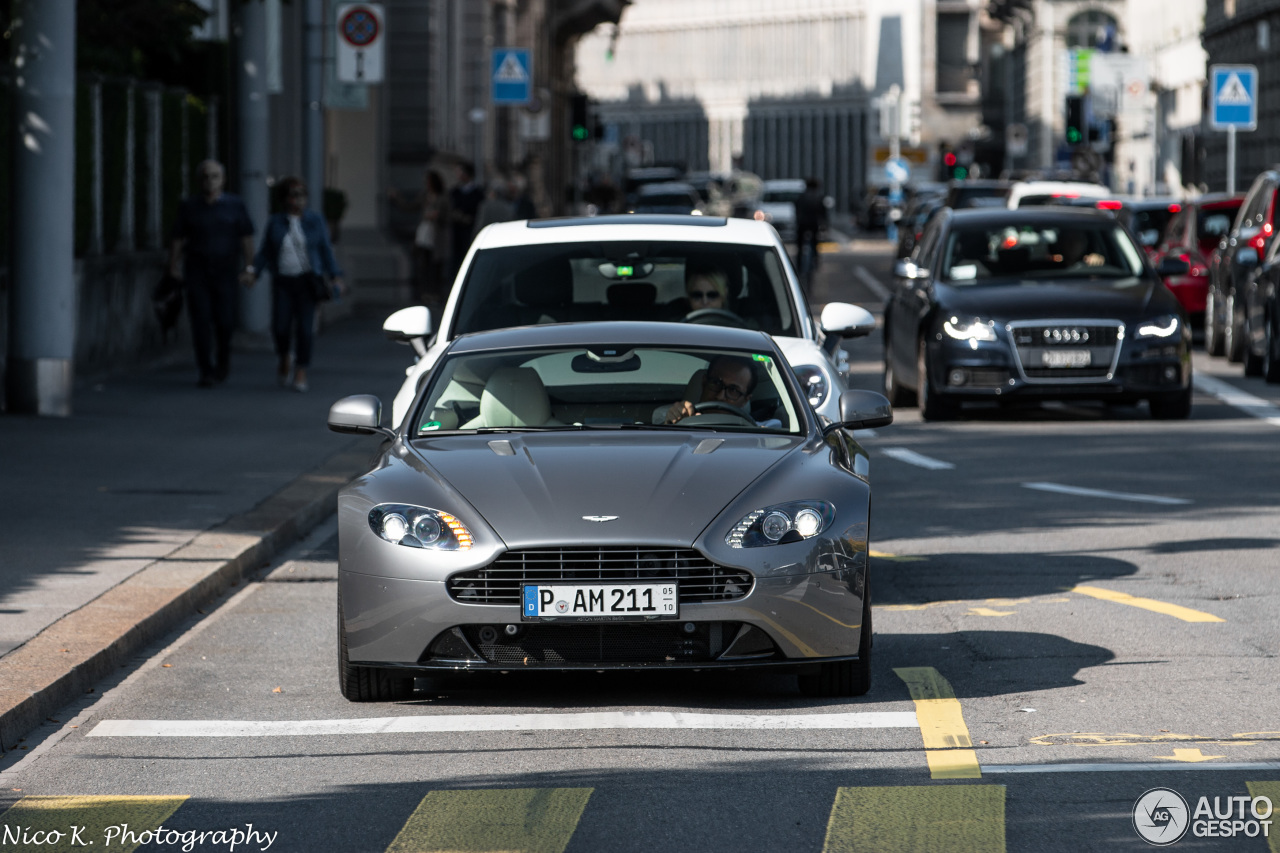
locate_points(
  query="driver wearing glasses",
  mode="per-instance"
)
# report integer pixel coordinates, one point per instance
(729, 381)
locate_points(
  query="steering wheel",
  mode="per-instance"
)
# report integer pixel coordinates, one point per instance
(715, 317)
(717, 406)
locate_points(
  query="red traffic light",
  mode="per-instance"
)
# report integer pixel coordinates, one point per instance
(949, 159)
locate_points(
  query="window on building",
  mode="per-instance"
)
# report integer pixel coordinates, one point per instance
(1091, 29)
(953, 59)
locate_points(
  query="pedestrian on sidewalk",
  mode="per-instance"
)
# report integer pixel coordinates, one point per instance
(430, 237)
(464, 203)
(296, 250)
(211, 248)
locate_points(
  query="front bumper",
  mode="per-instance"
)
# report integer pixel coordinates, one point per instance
(414, 625)
(1119, 369)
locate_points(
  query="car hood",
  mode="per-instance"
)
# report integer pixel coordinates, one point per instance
(1077, 300)
(536, 489)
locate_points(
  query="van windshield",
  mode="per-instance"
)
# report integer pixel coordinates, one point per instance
(740, 286)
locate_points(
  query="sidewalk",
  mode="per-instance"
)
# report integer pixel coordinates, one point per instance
(156, 495)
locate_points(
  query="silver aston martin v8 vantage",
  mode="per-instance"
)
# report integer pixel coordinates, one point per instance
(600, 496)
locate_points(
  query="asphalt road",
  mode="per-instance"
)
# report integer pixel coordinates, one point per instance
(1074, 605)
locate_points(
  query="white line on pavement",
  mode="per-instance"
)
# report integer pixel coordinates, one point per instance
(910, 457)
(1242, 400)
(502, 723)
(871, 282)
(1103, 493)
(1136, 767)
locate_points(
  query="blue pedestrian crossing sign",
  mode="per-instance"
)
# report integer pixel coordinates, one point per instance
(1234, 91)
(511, 81)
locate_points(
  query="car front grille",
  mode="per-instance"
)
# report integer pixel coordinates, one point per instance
(1034, 341)
(697, 578)
(658, 643)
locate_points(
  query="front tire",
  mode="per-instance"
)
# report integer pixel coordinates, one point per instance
(1212, 328)
(932, 407)
(845, 677)
(898, 395)
(363, 683)
(1232, 332)
(1270, 358)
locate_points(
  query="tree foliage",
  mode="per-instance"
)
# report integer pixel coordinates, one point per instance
(148, 39)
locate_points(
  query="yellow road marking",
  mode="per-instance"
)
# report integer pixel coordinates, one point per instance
(1123, 739)
(1189, 755)
(1186, 614)
(97, 815)
(1270, 790)
(881, 555)
(1003, 602)
(948, 749)
(952, 818)
(531, 820)
(987, 611)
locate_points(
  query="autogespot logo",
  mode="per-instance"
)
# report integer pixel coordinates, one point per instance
(1160, 816)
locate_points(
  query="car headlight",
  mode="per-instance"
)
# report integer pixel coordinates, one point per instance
(814, 384)
(419, 527)
(970, 330)
(782, 523)
(1160, 327)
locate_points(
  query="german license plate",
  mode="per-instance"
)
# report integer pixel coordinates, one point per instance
(1066, 357)
(610, 602)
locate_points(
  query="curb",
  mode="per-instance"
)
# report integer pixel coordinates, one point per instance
(70, 656)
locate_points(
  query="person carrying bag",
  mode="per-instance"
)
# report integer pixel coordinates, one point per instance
(296, 250)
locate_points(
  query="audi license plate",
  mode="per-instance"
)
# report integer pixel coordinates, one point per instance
(1066, 357)
(607, 602)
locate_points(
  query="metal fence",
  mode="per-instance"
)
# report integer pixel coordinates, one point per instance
(136, 146)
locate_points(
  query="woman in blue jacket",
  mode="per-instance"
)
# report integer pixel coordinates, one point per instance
(296, 251)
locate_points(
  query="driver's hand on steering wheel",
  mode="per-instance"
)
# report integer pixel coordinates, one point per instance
(679, 411)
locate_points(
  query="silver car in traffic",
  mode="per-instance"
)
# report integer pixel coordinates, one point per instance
(600, 496)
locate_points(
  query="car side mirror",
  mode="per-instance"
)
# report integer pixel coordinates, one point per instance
(846, 321)
(408, 323)
(862, 409)
(359, 414)
(1171, 266)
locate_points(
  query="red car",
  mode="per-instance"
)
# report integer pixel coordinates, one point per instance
(1193, 235)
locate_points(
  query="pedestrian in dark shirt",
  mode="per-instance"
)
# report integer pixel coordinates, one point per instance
(811, 220)
(296, 251)
(464, 203)
(210, 251)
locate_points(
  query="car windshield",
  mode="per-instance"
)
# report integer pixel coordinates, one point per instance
(1031, 252)
(608, 387)
(1214, 224)
(627, 280)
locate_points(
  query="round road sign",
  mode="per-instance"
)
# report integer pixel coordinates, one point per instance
(359, 27)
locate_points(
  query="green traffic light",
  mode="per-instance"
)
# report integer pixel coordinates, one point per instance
(579, 132)
(960, 173)
(1073, 134)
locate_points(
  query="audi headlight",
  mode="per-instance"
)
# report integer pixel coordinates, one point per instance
(782, 523)
(419, 527)
(970, 330)
(1160, 327)
(814, 384)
